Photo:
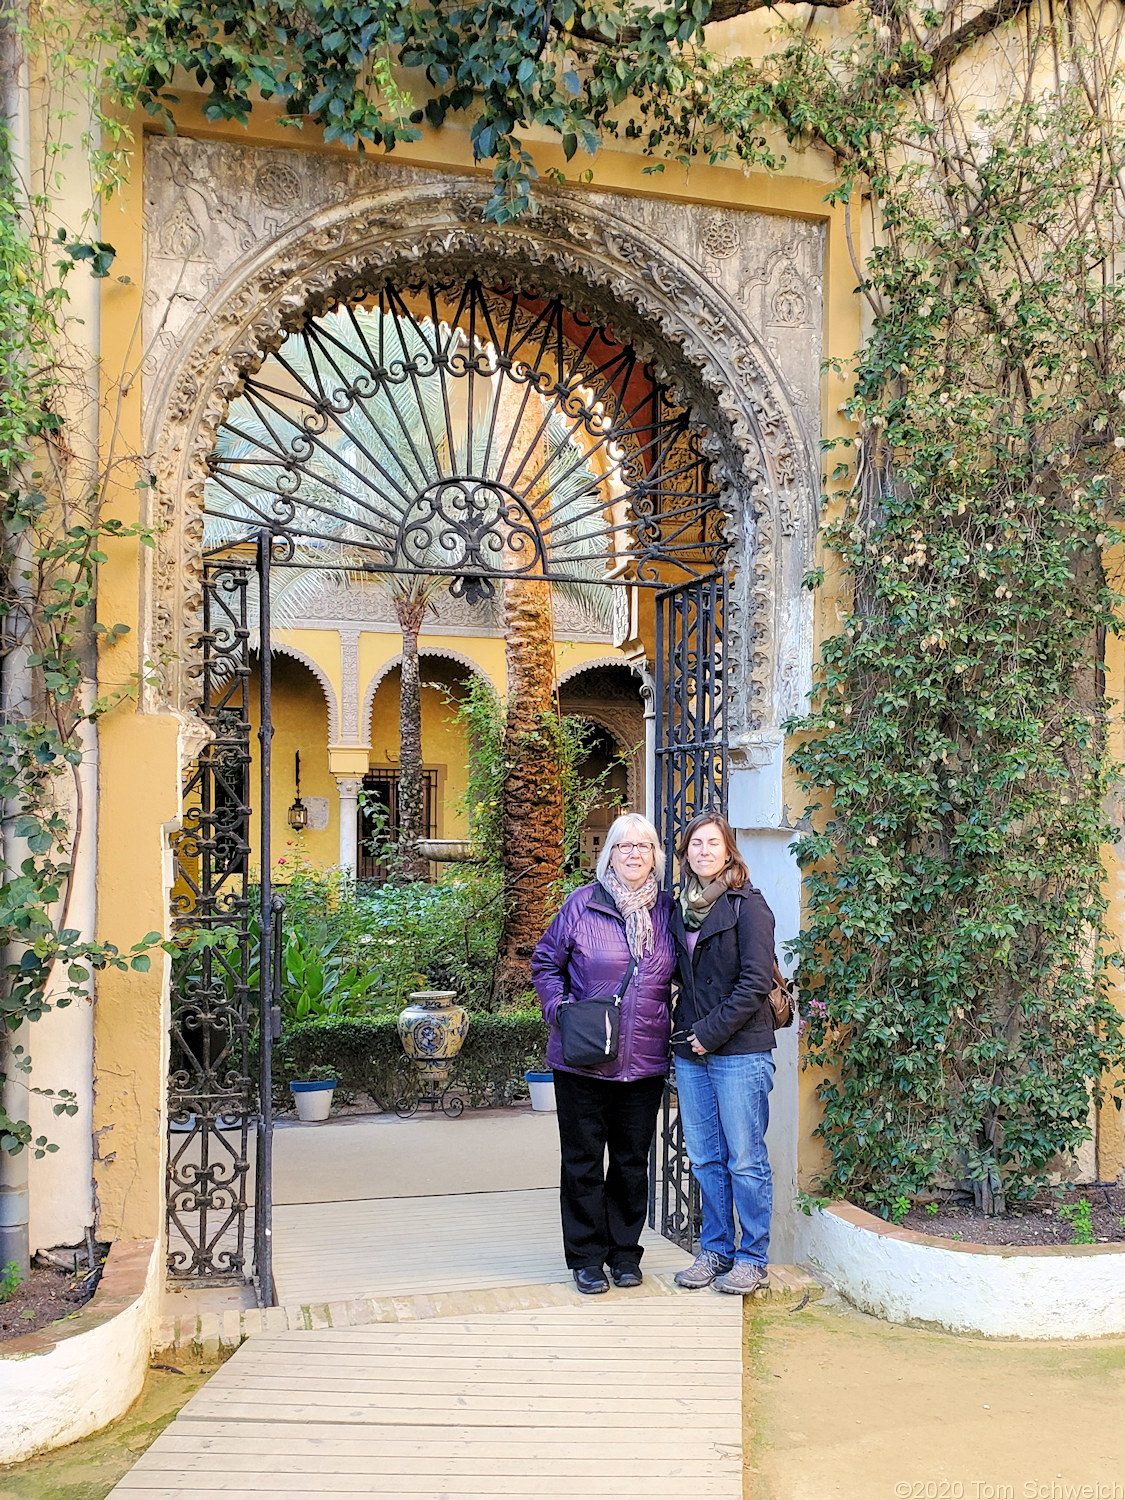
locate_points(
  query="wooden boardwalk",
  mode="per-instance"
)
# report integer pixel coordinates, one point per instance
(624, 1395)
(435, 1346)
(397, 1247)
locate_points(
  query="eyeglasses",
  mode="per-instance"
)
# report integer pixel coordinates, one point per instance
(633, 848)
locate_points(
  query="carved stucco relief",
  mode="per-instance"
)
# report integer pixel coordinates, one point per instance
(244, 242)
(349, 688)
(369, 604)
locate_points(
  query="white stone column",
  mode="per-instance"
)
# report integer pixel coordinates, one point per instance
(62, 1183)
(348, 789)
(648, 699)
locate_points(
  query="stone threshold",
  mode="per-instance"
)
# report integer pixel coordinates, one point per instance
(213, 1337)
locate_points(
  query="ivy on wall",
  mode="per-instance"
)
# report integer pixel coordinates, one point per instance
(954, 958)
(53, 488)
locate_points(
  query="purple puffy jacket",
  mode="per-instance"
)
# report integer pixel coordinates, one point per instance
(584, 955)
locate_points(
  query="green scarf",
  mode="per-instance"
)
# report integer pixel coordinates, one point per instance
(696, 900)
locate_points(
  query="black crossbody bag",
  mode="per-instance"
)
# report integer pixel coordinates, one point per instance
(591, 1029)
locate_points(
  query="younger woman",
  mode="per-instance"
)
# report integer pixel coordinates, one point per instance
(723, 1043)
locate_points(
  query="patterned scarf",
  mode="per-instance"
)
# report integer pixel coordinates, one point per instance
(636, 907)
(696, 899)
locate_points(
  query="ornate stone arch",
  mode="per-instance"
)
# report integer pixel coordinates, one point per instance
(368, 704)
(615, 717)
(330, 700)
(600, 661)
(290, 234)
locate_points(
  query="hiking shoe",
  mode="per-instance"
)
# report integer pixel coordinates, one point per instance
(744, 1276)
(704, 1268)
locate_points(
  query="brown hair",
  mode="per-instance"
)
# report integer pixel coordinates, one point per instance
(736, 872)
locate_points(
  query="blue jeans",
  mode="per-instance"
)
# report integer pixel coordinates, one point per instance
(725, 1108)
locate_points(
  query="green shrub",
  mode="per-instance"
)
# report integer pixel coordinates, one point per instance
(317, 982)
(421, 936)
(1077, 1215)
(10, 1279)
(365, 1054)
(383, 942)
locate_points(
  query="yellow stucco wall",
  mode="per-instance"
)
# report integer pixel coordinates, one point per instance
(300, 723)
(131, 1015)
(139, 790)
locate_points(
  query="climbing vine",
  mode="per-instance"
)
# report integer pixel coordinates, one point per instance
(53, 487)
(954, 956)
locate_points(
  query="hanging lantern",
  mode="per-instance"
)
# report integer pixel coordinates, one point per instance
(298, 814)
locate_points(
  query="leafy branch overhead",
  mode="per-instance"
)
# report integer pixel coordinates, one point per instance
(372, 74)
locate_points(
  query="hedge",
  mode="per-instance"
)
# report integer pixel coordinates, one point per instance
(366, 1055)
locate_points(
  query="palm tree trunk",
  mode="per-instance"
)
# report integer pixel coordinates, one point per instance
(532, 808)
(410, 609)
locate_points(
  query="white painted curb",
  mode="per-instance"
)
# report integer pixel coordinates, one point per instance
(72, 1378)
(1042, 1292)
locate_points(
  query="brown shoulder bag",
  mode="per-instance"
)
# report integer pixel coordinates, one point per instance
(783, 1002)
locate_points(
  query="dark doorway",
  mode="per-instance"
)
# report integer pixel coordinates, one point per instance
(379, 825)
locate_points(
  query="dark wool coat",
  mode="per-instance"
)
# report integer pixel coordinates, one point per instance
(584, 955)
(725, 984)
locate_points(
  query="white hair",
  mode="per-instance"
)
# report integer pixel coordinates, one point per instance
(641, 828)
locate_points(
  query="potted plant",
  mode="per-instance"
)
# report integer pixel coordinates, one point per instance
(541, 1087)
(312, 1094)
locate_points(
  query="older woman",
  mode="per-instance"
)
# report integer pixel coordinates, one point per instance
(723, 1044)
(603, 931)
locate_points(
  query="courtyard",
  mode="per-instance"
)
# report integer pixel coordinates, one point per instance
(714, 412)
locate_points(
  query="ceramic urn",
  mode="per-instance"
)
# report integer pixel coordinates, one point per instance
(432, 1029)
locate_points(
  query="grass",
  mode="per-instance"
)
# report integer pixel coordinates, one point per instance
(89, 1469)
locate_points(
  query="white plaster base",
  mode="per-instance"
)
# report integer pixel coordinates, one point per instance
(773, 869)
(73, 1378)
(1046, 1292)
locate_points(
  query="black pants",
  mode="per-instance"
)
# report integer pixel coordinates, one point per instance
(603, 1211)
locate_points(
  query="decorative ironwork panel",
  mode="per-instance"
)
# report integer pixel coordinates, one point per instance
(673, 1196)
(691, 743)
(470, 433)
(456, 430)
(691, 763)
(212, 1095)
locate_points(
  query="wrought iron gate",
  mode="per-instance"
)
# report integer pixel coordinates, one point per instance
(224, 976)
(691, 737)
(455, 430)
(691, 775)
